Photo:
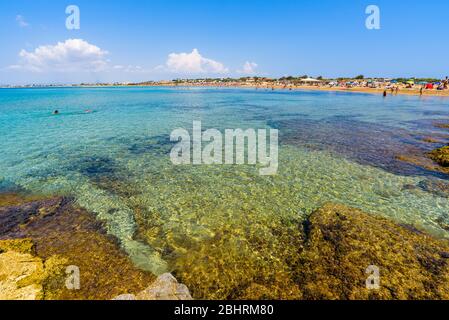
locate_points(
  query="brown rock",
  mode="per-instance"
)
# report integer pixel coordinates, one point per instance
(15, 268)
(343, 242)
(166, 287)
(58, 228)
(440, 156)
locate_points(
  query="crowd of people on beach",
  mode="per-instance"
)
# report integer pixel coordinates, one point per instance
(410, 85)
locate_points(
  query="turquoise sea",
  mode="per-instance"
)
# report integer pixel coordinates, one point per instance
(114, 161)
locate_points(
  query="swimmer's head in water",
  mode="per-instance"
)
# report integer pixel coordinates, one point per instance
(56, 112)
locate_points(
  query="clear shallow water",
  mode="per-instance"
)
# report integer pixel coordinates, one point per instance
(115, 162)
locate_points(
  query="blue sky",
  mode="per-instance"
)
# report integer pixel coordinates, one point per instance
(139, 40)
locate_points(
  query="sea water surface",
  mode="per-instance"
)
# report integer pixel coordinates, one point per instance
(224, 224)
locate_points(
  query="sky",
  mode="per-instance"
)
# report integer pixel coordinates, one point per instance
(137, 40)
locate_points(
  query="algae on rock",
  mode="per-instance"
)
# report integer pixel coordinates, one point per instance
(440, 156)
(343, 242)
(55, 229)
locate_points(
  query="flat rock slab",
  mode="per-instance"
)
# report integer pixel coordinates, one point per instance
(166, 287)
(15, 269)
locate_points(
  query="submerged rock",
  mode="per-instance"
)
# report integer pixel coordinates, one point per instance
(423, 160)
(166, 287)
(431, 140)
(342, 243)
(442, 125)
(365, 143)
(443, 221)
(437, 187)
(440, 156)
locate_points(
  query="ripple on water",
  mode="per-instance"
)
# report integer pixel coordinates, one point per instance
(366, 143)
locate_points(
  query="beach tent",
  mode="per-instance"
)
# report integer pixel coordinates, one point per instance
(310, 81)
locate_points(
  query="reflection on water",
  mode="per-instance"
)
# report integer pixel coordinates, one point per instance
(222, 229)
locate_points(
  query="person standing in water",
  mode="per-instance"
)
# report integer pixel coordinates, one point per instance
(385, 93)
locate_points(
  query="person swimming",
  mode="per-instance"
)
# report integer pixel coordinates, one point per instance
(56, 112)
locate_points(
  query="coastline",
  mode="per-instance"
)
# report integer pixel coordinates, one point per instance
(379, 91)
(375, 91)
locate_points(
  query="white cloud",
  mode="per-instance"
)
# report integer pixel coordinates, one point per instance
(73, 55)
(129, 68)
(21, 21)
(248, 68)
(193, 63)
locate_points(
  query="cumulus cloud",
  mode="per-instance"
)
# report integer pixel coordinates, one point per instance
(21, 21)
(193, 63)
(73, 55)
(248, 68)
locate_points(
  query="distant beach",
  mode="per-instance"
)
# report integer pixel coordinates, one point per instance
(413, 87)
(379, 91)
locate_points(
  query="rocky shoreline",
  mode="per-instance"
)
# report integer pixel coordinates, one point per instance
(40, 238)
(56, 230)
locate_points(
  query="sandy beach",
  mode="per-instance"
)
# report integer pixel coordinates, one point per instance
(402, 91)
